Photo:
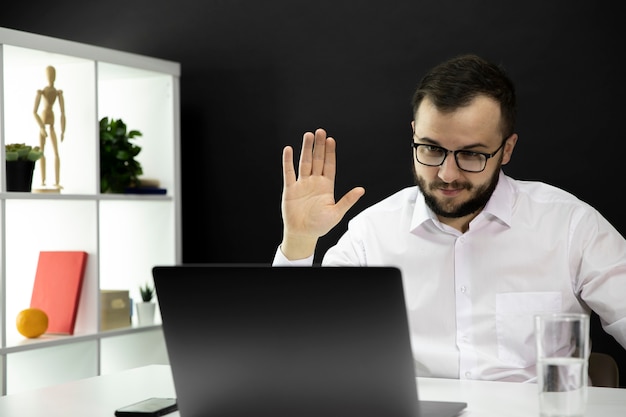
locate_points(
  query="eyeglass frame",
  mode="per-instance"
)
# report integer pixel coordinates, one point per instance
(487, 155)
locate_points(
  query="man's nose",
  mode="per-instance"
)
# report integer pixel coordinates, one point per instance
(449, 170)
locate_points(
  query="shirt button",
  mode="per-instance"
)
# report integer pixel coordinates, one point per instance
(463, 288)
(468, 374)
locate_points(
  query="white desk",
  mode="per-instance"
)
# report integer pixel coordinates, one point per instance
(100, 396)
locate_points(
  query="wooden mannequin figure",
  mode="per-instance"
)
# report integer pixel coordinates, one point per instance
(46, 118)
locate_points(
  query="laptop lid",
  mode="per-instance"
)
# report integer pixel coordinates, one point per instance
(255, 340)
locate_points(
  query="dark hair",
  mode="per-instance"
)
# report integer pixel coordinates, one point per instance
(456, 82)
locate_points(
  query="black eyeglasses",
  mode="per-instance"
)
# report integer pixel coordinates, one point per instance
(469, 161)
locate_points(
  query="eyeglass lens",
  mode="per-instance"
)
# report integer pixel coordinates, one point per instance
(434, 156)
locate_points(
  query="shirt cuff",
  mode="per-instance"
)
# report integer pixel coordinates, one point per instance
(281, 260)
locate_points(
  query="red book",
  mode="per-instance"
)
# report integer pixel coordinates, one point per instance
(57, 288)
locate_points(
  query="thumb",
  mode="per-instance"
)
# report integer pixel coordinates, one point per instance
(349, 199)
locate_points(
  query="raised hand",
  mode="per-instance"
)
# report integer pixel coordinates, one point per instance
(308, 205)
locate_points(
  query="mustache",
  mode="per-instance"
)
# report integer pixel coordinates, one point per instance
(454, 185)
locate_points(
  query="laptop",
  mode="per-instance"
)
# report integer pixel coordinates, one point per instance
(254, 340)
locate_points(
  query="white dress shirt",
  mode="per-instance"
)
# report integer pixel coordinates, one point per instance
(471, 296)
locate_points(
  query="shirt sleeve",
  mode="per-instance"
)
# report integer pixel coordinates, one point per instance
(601, 262)
(281, 260)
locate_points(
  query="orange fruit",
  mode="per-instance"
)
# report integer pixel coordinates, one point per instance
(32, 322)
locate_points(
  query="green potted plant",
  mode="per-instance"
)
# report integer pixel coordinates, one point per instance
(119, 169)
(147, 292)
(146, 308)
(20, 163)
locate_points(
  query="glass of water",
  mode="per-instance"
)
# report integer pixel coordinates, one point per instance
(562, 341)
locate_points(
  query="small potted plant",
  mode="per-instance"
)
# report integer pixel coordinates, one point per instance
(147, 293)
(119, 169)
(146, 308)
(20, 163)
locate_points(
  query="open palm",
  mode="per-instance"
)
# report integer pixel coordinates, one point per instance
(308, 207)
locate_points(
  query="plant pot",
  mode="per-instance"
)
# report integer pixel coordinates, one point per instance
(19, 175)
(145, 313)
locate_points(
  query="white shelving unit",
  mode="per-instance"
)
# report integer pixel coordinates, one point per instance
(124, 235)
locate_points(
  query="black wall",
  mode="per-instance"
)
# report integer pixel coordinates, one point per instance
(256, 75)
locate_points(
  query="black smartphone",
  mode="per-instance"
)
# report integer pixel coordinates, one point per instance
(148, 408)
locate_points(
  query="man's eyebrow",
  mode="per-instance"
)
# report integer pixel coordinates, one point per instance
(430, 141)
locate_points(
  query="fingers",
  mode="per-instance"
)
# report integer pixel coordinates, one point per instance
(305, 163)
(330, 159)
(306, 157)
(317, 156)
(289, 172)
(319, 152)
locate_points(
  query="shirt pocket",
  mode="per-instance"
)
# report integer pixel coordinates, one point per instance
(515, 324)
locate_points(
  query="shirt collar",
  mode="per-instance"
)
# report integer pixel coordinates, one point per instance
(499, 206)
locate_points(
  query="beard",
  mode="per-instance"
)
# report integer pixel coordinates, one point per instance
(480, 195)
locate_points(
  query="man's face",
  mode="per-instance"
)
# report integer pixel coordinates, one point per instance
(454, 195)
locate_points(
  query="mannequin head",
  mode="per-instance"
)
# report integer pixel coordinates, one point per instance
(51, 73)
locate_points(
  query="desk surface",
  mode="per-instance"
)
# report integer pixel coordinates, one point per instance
(100, 396)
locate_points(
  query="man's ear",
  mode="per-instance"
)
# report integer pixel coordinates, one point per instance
(509, 145)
